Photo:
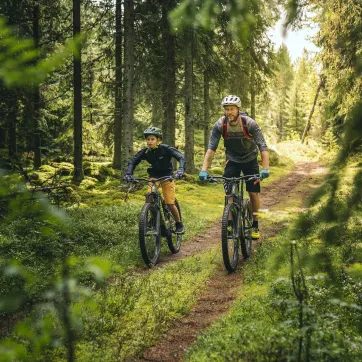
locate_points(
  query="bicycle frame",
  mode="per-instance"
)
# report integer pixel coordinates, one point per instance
(155, 196)
(156, 221)
(237, 187)
(236, 220)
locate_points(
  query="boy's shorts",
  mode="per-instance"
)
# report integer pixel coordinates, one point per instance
(234, 169)
(168, 191)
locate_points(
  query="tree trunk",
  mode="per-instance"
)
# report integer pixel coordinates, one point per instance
(168, 79)
(3, 135)
(189, 127)
(36, 95)
(296, 111)
(78, 141)
(252, 92)
(280, 122)
(206, 110)
(156, 110)
(307, 126)
(117, 159)
(127, 135)
(12, 123)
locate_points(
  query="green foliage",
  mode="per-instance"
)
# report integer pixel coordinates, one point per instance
(242, 16)
(134, 312)
(266, 323)
(36, 270)
(17, 56)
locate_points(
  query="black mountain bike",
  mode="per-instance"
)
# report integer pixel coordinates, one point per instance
(237, 221)
(156, 221)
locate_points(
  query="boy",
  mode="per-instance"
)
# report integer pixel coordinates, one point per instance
(159, 156)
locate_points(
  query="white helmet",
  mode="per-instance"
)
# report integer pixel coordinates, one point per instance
(231, 101)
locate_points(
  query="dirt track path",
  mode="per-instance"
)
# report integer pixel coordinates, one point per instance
(221, 290)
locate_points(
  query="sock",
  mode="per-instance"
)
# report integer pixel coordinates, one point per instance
(255, 224)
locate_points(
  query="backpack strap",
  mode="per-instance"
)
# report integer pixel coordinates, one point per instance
(245, 128)
(225, 128)
(243, 124)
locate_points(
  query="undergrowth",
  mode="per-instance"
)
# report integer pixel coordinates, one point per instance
(302, 299)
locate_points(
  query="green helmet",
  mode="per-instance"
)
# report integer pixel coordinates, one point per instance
(154, 131)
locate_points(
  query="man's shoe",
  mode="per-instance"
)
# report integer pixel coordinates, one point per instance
(255, 234)
(179, 227)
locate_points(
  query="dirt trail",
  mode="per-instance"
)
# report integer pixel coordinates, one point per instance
(221, 290)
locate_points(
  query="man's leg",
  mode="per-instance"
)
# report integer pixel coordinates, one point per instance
(232, 169)
(252, 168)
(255, 203)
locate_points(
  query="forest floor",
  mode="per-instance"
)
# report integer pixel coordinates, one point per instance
(222, 288)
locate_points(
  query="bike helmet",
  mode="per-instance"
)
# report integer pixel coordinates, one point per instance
(231, 101)
(154, 131)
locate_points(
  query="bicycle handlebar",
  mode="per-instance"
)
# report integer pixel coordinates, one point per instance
(255, 178)
(163, 178)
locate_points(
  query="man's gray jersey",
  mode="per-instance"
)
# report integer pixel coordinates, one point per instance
(239, 150)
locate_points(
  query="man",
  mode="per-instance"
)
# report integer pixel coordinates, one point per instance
(242, 139)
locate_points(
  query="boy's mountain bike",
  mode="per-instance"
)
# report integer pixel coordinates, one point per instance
(237, 221)
(156, 221)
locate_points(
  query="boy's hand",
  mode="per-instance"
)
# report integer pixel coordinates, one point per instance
(179, 174)
(203, 175)
(128, 177)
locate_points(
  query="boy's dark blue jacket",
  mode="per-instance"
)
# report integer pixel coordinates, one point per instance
(160, 160)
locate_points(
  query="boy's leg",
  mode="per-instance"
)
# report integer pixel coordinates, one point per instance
(168, 190)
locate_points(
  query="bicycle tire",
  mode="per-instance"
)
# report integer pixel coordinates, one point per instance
(149, 234)
(174, 240)
(247, 222)
(230, 237)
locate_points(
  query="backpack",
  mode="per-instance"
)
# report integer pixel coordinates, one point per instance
(243, 123)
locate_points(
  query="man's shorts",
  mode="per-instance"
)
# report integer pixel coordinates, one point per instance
(168, 190)
(234, 169)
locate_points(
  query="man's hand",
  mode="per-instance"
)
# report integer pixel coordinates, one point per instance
(264, 173)
(203, 175)
(128, 177)
(179, 174)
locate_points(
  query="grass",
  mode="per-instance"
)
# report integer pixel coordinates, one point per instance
(264, 323)
(134, 311)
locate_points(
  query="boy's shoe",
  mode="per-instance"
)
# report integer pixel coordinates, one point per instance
(255, 234)
(179, 227)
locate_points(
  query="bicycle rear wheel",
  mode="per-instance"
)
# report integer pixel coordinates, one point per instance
(247, 223)
(230, 237)
(149, 234)
(173, 239)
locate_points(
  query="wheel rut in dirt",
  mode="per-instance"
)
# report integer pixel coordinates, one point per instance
(222, 288)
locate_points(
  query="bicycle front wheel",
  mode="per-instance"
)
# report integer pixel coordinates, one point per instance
(247, 223)
(173, 239)
(230, 237)
(149, 234)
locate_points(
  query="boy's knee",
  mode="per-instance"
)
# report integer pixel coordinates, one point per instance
(254, 194)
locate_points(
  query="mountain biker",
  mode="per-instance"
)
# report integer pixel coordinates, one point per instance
(242, 138)
(159, 156)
